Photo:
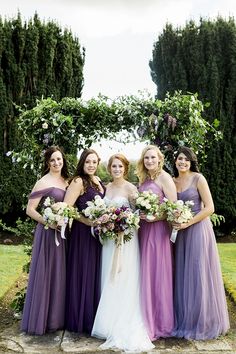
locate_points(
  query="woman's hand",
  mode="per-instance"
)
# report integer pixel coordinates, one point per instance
(144, 217)
(54, 226)
(181, 226)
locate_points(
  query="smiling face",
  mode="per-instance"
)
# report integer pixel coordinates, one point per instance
(151, 160)
(91, 164)
(117, 169)
(55, 162)
(182, 163)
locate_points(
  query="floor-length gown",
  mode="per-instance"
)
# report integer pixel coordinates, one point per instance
(156, 272)
(83, 272)
(45, 298)
(119, 319)
(200, 303)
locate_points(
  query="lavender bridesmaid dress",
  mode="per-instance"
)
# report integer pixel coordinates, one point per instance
(200, 304)
(156, 273)
(83, 272)
(45, 298)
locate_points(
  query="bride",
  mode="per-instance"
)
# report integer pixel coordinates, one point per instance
(118, 318)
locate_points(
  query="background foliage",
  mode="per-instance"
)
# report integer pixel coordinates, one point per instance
(37, 59)
(201, 58)
(75, 124)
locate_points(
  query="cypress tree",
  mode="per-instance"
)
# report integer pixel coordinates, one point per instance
(37, 59)
(205, 62)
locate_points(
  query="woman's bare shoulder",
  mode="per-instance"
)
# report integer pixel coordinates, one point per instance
(131, 187)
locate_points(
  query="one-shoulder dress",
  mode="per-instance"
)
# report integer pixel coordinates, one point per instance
(200, 303)
(44, 307)
(156, 272)
(83, 272)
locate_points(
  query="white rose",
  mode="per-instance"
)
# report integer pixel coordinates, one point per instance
(47, 201)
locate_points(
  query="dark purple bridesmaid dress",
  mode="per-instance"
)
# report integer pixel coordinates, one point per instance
(83, 272)
(44, 307)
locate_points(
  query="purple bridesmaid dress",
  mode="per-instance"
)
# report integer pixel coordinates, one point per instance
(200, 304)
(156, 273)
(83, 272)
(45, 298)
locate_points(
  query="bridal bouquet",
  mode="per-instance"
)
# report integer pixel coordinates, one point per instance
(149, 203)
(59, 213)
(118, 223)
(177, 212)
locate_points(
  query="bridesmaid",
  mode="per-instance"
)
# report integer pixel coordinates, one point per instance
(200, 304)
(155, 248)
(84, 258)
(45, 298)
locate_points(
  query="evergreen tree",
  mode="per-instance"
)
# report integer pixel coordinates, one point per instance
(37, 59)
(201, 58)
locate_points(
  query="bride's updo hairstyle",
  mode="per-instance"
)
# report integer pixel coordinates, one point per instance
(191, 156)
(124, 161)
(141, 170)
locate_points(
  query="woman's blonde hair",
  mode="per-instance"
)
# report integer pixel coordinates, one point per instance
(124, 161)
(141, 170)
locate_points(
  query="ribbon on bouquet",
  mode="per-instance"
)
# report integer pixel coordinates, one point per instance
(116, 261)
(173, 235)
(62, 232)
(56, 239)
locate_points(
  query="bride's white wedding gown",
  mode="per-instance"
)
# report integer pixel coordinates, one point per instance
(118, 318)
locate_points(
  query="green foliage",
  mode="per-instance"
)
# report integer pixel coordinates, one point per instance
(18, 302)
(37, 59)
(103, 173)
(25, 230)
(201, 58)
(217, 219)
(75, 124)
(227, 253)
(11, 260)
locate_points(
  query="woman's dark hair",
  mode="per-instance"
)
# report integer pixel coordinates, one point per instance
(79, 172)
(47, 155)
(190, 155)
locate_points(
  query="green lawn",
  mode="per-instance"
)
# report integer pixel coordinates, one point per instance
(12, 258)
(227, 253)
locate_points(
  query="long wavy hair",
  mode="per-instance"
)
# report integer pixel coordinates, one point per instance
(47, 156)
(124, 161)
(190, 155)
(141, 170)
(79, 172)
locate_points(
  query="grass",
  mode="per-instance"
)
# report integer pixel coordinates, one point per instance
(227, 253)
(12, 259)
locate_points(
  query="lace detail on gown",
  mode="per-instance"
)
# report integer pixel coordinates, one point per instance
(118, 317)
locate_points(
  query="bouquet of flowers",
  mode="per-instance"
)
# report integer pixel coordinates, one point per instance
(149, 203)
(95, 208)
(59, 213)
(177, 212)
(118, 223)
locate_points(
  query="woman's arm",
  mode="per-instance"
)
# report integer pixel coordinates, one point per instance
(74, 190)
(31, 210)
(168, 187)
(208, 205)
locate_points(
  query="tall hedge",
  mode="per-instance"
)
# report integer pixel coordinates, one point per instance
(37, 59)
(201, 57)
